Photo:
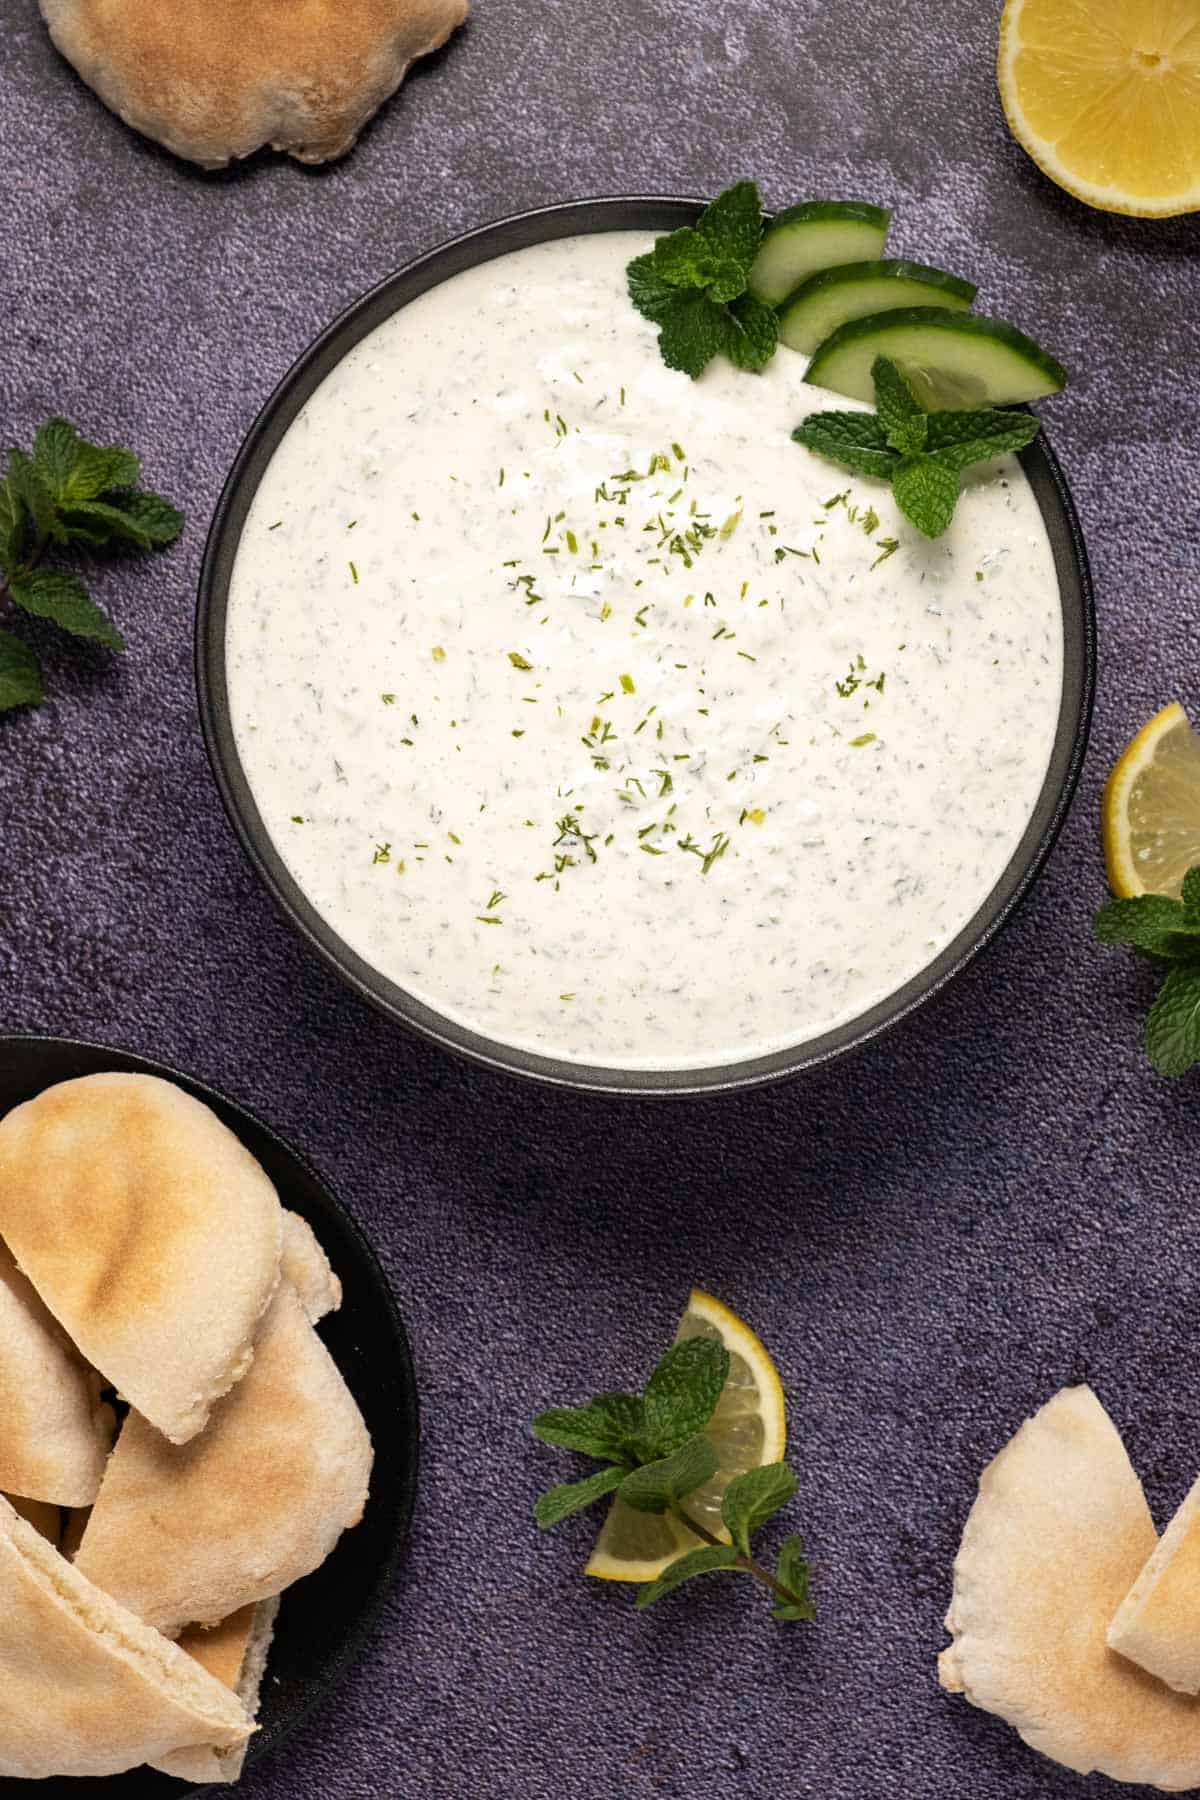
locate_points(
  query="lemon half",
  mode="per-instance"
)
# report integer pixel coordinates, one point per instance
(747, 1429)
(1105, 97)
(1150, 818)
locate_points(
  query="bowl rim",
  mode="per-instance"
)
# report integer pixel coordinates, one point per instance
(468, 250)
(401, 1494)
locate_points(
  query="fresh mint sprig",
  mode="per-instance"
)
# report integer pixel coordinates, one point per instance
(655, 1454)
(922, 453)
(692, 285)
(1167, 933)
(69, 495)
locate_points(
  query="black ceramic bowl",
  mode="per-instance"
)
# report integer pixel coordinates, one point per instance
(517, 233)
(323, 1620)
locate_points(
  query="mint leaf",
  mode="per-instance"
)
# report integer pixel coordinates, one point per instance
(693, 332)
(12, 528)
(926, 493)
(961, 436)
(558, 1503)
(753, 1498)
(1147, 922)
(20, 674)
(1190, 893)
(54, 452)
(856, 440)
(158, 521)
(657, 1485)
(901, 414)
(1173, 1027)
(47, 594)
(753, 334)
(693, 1562)
(684, 260)
(95, 469)
(26, 485)
(606, 1428)
(793, 1572)
(653, 297)
(732, 226)
(682, 1393)
(97, 523)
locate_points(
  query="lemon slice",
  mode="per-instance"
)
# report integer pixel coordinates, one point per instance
(747, 1429)
(1105, 97)
(1150, 816)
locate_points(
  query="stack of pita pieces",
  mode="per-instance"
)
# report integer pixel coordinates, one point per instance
(1070, 1619)
(145, 1251)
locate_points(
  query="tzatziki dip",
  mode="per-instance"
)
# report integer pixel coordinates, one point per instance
(599, 716)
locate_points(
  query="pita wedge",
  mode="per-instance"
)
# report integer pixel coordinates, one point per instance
(189, 1534)
(236, 1653)
(86, 1688)
(1058, 1532)
(149, 1231)
(54, 1433)
(1158, 1622)
(306, 1266)
(217, 79)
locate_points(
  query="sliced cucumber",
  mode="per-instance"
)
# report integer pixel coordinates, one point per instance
(951, 358)
(854, 290)
(816, 235)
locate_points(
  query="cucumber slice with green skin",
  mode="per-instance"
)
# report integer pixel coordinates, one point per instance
(816, 235)
(854, 290)
(950, 358)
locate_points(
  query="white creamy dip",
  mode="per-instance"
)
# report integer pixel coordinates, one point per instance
(597, 714)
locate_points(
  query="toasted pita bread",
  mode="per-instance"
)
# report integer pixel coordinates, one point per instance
(86, 1688)
(189, 1534)
(306, 1266)
(1057, 1534)
(149, 1231)
(54, 1433)
(217, 79)
(47, 1521)
(236, 1653)
(1158, 1622)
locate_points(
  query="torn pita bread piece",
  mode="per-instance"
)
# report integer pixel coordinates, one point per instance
(1058, 1532)
(307, 1267)
(54, 1432)
(236, 1653)
(189, 1534)
(1158, 1623)
(47, 1521)
(86, 1688)
(149, 1231)
(217, 79)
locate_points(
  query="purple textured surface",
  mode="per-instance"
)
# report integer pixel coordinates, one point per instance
(993, 1202)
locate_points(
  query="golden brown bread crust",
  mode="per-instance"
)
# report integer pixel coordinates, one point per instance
(149, 1231)
(1158, 1623)
(235, 1651)
(185, 1534)
(54, 1433)
(214, 80)
(86, 1688)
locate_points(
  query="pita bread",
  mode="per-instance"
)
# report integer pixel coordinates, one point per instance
(55, 1434)
(149, 1231)
(46, 1520)
(1158, 1622)
(188, 1534)
(236, 1653)
(218, 79)
(74, 1526)
(306, 1266)
(85, 1688)
(1058, 1532)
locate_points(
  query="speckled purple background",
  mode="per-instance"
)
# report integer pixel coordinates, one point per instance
(997, 1200)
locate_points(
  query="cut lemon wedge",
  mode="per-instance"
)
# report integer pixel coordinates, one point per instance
(747, 1429)
(1150, 817)
(1105, 97)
